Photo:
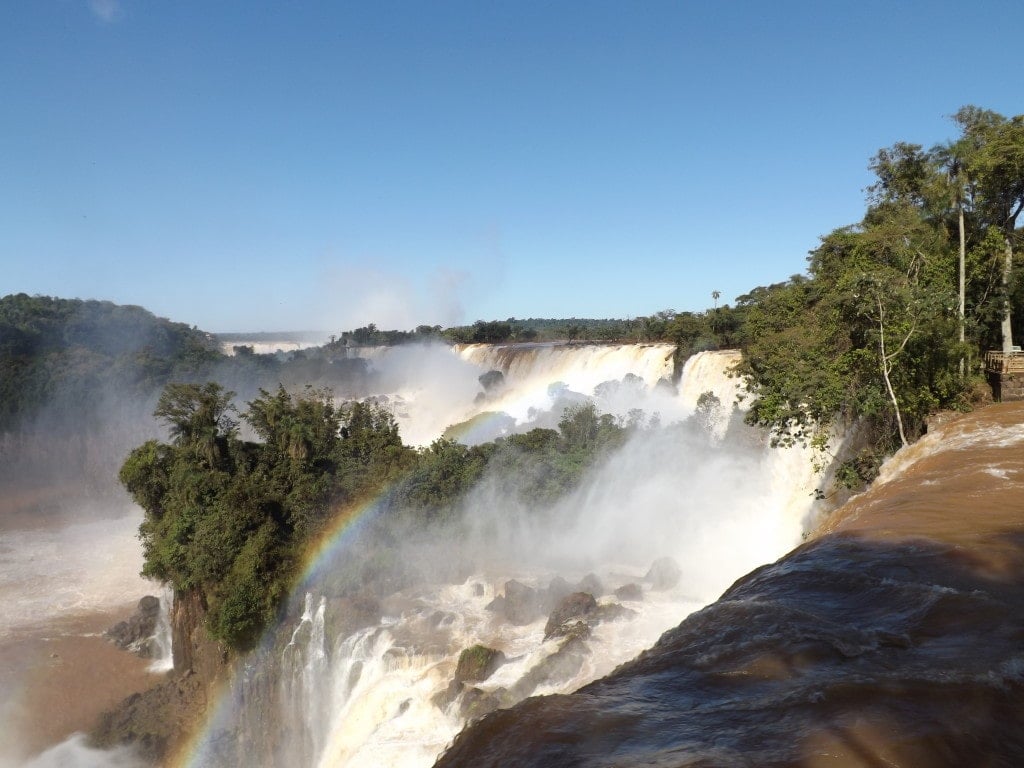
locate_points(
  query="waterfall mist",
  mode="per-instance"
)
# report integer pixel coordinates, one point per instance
(353, 680)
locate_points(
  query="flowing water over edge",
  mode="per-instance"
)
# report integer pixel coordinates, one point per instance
(896, 638)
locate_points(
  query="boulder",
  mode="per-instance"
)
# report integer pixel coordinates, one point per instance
(557, 591)
(476, 703)
(631, 591)
(133, 633)
(520, 604)
(590, 583)
(578, 605)
(492, 381)
(664, 573)
(477, 663)
(612, 612)
(345, 615)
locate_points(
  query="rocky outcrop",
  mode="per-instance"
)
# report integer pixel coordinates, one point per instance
(194, 649)
(578, 605)
(158, 721)
(520, 605)
(154, 721)
(664, 573)
(136, 633)
(631, 591)
(493, 381)
(476, 664)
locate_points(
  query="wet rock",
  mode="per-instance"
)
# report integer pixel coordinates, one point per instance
(590, 583)
(664, 573)
(476, 702)
(497, 605)
(630, 592)
(520, 604)
(345, 615)
(477, 663)
(133, 633)
(492, 381)
(578, 605)
(558, 590)
(441, 619)
(612, 612)
(151, 720)
(561, 665)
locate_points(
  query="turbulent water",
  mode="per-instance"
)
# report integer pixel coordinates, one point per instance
(68, 571)
(709, 495)
(430, 389)
(894, 639)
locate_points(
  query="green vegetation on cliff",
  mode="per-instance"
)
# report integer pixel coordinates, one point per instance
(232, 519)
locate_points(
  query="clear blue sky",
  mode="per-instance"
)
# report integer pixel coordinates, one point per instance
(320, 165)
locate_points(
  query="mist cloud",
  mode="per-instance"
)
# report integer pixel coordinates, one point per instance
(352, 297)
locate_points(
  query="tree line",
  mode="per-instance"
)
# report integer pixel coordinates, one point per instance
(890, 323)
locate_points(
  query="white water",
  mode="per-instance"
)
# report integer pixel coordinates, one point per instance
(432, 387)
(64, 570)
(76, 753)
(163, 651)
(366, 698)
(719, 506)
(73, 563)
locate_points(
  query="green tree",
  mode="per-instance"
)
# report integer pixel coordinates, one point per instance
(996, 162)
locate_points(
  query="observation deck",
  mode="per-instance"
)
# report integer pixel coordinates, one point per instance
(1005, 374)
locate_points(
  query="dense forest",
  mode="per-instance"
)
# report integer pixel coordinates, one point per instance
(66, 353)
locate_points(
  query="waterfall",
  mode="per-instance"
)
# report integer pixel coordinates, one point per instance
(161, 643)
(430, 387)
(709, 495)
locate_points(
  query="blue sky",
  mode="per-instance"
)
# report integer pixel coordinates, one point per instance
(321, 165)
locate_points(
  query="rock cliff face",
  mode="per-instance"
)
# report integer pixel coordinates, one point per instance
(158, 721)
(198, 654)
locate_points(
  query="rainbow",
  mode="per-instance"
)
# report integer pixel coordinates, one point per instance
(196, 752)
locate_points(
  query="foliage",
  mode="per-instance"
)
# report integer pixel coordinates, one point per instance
(233, 518)
(70, 354)
(872, 332)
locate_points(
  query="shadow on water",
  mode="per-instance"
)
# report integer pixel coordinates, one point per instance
(848, 652)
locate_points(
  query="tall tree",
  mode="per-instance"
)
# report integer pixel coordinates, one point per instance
(997, 163)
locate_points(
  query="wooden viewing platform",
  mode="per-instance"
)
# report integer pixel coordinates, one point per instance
(1005, 374)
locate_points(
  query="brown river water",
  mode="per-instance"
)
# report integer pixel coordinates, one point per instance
(894, 638)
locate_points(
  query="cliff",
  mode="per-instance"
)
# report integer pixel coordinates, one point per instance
(159, 721)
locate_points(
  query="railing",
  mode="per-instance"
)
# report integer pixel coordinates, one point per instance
(999, 362)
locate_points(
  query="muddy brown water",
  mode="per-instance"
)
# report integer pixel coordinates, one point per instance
(894, 639)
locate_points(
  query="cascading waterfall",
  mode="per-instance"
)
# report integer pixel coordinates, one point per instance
(161, 645)
(535, 375)
(706, 494)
